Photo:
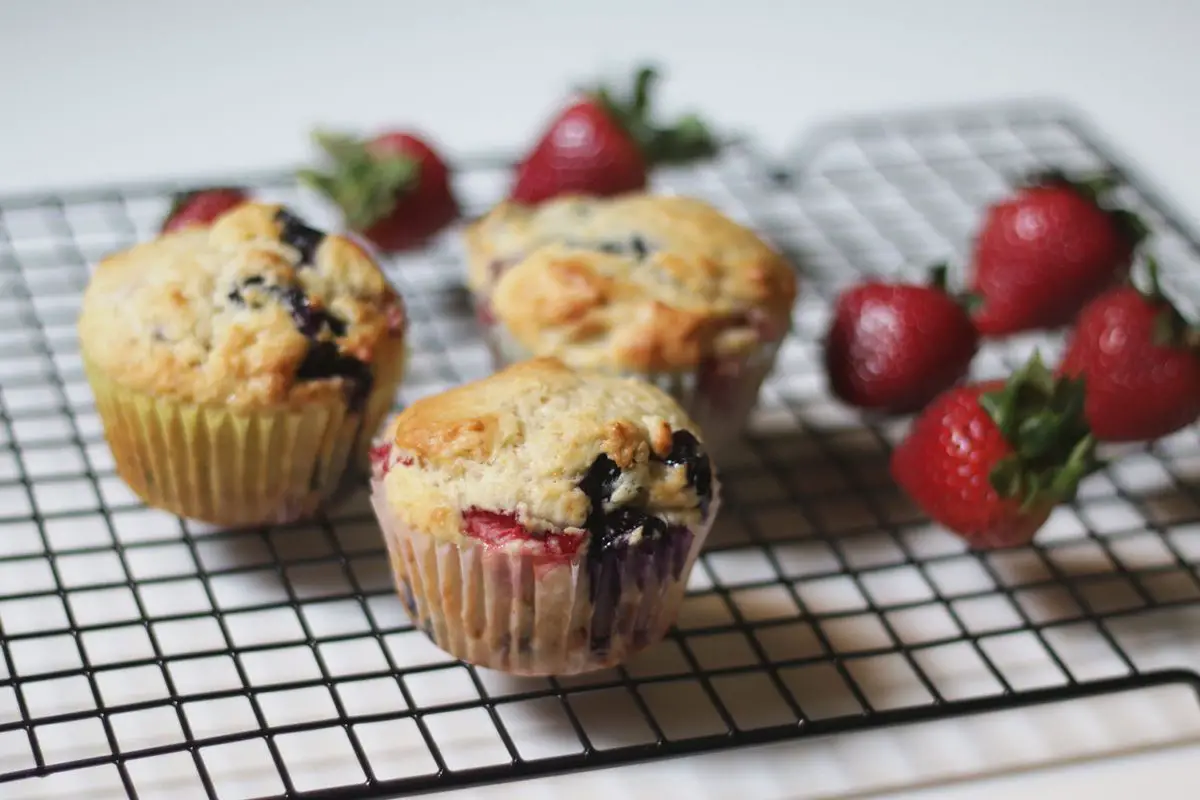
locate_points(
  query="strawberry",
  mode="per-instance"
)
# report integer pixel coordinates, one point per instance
(199, 207)
(896, 346)
(393, 189)
(1042, 253)
(1140, 361)
(600, 146)
(990, 460)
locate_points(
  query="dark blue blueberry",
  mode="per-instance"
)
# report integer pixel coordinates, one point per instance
(614, 561)
(235, 294)
(610, 543)
(638, 245)
(309, 321)
(598, 485)
(687, 451)
(620, 524)
(294, 232)
(635, 246)
(614, 558)
(323, 361)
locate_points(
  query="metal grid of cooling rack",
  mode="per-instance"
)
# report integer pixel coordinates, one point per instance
(145, 656)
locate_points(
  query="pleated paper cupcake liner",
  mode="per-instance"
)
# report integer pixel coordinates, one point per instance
(238, 468)
(524, 614)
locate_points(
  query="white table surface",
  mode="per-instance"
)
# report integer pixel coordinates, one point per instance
(93, 91)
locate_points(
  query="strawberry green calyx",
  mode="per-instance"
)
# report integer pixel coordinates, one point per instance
(363, 184)
(688, 139)
(1171, 329)
(1041, 416)
(938, 277)
(1096, 188)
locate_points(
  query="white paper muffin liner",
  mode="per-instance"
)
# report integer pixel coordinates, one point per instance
(527, 615)
(720, 408)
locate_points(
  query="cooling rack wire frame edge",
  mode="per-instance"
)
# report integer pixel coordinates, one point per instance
(278, 662)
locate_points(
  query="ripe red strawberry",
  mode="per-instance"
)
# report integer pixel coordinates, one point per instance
(200, 207)
(1044, 252)
(1140, 361)
(990, 460)
(393, 189)
(896, 346)
(600, 146)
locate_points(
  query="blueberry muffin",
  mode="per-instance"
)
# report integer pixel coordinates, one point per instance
(241, 369)
(661, 287)
(543, 520)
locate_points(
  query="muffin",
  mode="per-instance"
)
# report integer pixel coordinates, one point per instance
(240, 370)
(660, 287)
(543, 521)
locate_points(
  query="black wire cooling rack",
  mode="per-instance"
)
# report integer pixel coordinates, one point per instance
(277, 662)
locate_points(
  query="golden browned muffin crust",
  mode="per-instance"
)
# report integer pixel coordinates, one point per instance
(521, 440)
(258, 310)
(636, 282)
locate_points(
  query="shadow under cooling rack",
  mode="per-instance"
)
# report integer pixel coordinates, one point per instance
(146, 656)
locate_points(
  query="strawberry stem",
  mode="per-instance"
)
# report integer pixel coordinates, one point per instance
(642, 84)
(363, 184)
(1041, 416)
(1135, 228)
(1154, 289)
(688, 139)
(939, 276)
(1171, 329)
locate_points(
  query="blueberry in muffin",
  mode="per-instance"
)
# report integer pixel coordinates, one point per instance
(241, 368)
(544, 520)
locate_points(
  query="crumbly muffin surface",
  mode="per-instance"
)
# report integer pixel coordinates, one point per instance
(258, 310)
(637, 282)
(544, 443)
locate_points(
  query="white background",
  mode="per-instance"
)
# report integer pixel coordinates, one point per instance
(96, 91)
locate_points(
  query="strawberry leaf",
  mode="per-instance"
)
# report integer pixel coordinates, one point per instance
(1136, 229)
(1096, 187)
(1041, 416)
(688, 139)
(1006, 477)
(1171, 329)
(972, 301)
(363, 184)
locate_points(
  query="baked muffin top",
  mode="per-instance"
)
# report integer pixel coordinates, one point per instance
(256, 310)
(557, 449)
(636, 282)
